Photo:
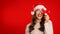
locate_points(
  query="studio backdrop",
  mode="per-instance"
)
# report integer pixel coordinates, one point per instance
(16, 14)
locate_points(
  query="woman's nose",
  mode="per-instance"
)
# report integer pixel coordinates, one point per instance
(39, 12)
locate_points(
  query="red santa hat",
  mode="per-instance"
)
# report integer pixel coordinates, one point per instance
(41, 7)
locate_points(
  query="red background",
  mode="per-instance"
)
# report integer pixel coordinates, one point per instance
(15, 14)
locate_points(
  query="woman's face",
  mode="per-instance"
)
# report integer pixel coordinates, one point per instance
(39, 14)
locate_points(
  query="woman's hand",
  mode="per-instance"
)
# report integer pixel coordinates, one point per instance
(46, 17)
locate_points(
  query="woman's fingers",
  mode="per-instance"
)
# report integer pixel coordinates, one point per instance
(46, 17)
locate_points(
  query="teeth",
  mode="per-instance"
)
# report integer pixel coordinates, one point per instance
(39, 15)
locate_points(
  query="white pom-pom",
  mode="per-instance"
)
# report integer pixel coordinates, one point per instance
(44, 8)
(32, 13)
(45, 13)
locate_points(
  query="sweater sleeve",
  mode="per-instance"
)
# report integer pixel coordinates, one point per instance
(48, 27)
(27, 29)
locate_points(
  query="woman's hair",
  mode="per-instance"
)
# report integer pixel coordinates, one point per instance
(31, 27)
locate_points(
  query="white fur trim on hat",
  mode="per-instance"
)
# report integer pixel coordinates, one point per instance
(39, 7)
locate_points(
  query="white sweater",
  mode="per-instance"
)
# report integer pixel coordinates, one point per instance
(48, 28)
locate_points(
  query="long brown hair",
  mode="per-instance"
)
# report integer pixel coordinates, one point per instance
(33, 23)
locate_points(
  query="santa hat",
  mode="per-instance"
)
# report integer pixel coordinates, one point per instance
(39, 7)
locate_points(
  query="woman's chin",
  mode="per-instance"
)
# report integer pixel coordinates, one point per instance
(39, 18)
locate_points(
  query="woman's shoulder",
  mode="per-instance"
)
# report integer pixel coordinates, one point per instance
(28, 24)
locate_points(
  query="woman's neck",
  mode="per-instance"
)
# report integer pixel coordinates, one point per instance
(38, 20)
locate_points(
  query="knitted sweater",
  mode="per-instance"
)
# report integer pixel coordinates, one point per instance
(48, 28)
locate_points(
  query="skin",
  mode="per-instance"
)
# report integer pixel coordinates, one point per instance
(39, 15)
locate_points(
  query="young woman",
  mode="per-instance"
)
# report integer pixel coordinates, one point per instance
(41, 24)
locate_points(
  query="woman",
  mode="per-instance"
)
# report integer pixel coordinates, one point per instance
(41, 24)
